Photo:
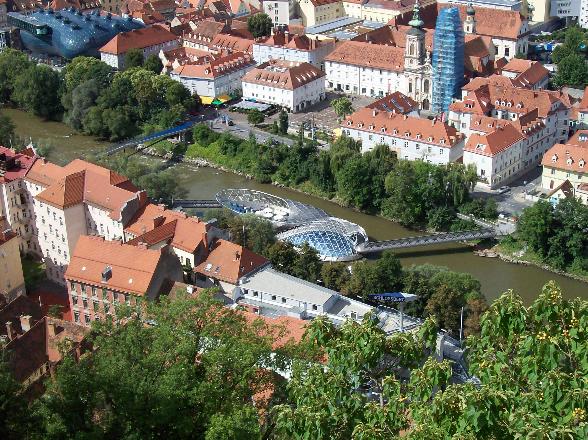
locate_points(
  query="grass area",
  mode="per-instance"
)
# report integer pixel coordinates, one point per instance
(33, 271)
(213, 154)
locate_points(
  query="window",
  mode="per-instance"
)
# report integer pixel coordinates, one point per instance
(255, 293)
(506, 51)
(314, 307)
(87, 319)
(553, 171)
(85, 302)
(283, 300)
(77, 316)
(73, 286)
(96, 306)
(273, 297)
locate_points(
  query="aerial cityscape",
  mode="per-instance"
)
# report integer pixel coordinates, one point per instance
(293, 219)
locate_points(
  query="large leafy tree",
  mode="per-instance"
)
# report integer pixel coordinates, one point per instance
(153, 63)
(342, 107)
(134, 58)
(260, 25)
(6, 131)
(184, 368)
(36, 89)
(12, 64)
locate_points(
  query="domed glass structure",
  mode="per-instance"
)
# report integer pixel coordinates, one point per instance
(68, 33)
(281, 212)
(333, 238)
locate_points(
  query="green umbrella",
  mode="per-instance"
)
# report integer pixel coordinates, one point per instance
(216, 101)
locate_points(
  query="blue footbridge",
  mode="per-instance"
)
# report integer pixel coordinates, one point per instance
(177, 130)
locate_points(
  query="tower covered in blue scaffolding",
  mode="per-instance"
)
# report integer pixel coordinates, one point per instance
(448, 59)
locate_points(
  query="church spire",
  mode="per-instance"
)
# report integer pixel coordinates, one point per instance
(416, 21)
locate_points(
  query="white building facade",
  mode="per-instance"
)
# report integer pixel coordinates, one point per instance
(294, 86)
(219, 77)
(299, 49)
(410, 137)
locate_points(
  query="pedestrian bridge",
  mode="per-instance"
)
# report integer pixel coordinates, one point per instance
(196, 204)
(158, 136)
(425, 240)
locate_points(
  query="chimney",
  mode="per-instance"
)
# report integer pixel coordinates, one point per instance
(25, 323)
(106, 274)
(50, 328)
(142, 197)
(10, 331)
(405, 117)
(142, 245)
(158, 221)
(374, 112)
(205, 242)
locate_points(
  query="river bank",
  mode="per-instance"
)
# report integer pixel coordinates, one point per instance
(495, 275)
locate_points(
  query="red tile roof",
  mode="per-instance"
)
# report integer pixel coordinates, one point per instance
(403, 126)
(132, 267)
(186, 234)
(280, 74)
(368, 55)
(293, 41)
(283, 329)
(580, 137)
(493, 143)
(584, 102)
(20, 306)
(232, 43)
(216, 68)
(567, 157)
(138, 39)
(7, 235)
(229, 262)
(397, 101)
(14, 165)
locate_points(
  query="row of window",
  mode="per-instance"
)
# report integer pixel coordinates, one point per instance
(283, 300)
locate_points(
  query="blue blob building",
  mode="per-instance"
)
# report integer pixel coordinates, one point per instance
(68, 33)
(448, 59)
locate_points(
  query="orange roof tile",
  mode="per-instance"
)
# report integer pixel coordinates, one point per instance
(580, 138)
(138, 39)
(45, 173)
(567, 157)
(229, 262)
(396, 101)
(280, 74)
(368, 55)
(392, 124)
(283, 329)
(149, 217)
(67, 192)
(14, 165)
(132, 267)
(493, 143)
(584, 102)
(216, 68)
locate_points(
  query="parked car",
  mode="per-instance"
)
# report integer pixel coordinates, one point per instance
(503, 189)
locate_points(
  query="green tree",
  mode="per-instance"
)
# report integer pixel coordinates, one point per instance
(535, 226)
(335, 275)
(16, 422)
(153, 63)
(36, 89)
(173, 379)
(283, 122)
(342, 107)
(253, 232)
(260, 25)
(162, 186)
(12, 63)
(255, 117)
(354, 183)
(330, 401)
(7, 135)
(572, 71)
(83, 97)
(204, 135)
(283, 255)
(307, 264)
(134, 58)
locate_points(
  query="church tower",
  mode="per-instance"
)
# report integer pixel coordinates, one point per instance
(469, 26)
(415, 51)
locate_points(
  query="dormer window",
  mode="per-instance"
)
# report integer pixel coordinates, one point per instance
(442, 141)
(407, 134)
(554, 158)
(349, 123)
(395, 131)
(497, 102)
(430, 139)
(569, 161)
(509, 104)
(581, 163)
(418, 136)
(360, 125)
(383, 130)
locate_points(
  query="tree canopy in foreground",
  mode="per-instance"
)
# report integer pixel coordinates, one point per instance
(190, 368)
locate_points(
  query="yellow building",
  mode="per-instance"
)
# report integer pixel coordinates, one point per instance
(11, 277)
(567, 162)
(315, 12)
(541, 10)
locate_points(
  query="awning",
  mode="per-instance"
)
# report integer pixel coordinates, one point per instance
(206, 100)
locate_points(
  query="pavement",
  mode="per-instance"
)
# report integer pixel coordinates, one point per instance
(513, 202)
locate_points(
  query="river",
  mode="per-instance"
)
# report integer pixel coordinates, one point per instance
(495, 275)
